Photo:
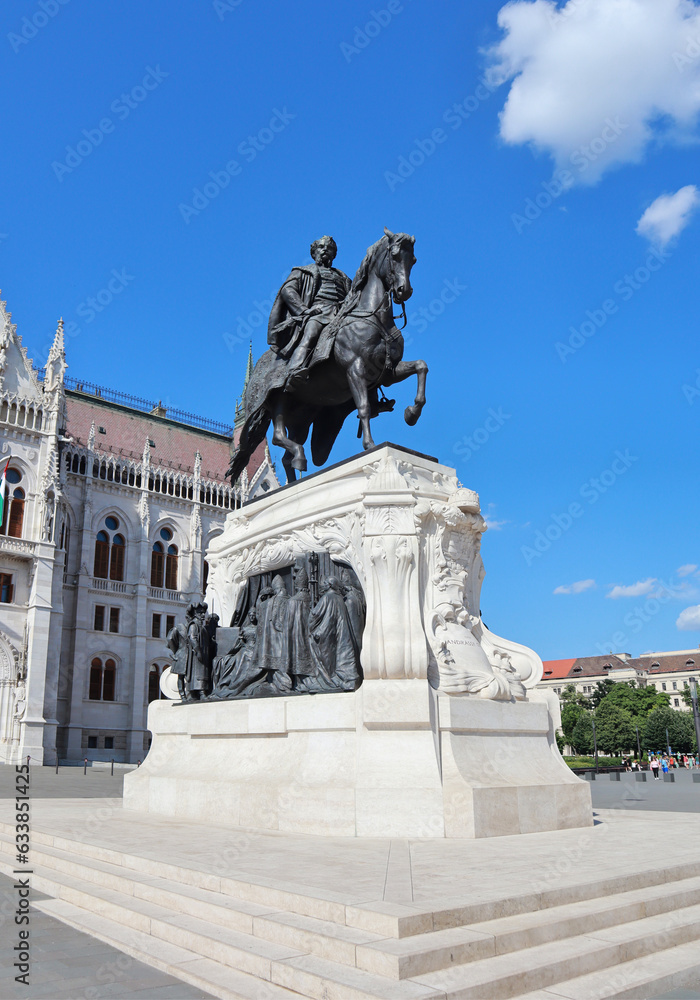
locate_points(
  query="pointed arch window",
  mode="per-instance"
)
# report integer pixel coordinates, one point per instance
(13, 509)
(116, 558)
(171, 568)
(110, 548)
(164, 557)
(157, 565)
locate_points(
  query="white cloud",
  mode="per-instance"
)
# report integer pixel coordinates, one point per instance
(689, 619)
(492, 524)
(668, 216)
(596, 81)
(687, 569)
(575, 588)
(639, 589)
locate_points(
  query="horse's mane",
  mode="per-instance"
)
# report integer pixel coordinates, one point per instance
(360, 280)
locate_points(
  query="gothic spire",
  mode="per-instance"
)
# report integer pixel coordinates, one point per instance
(55, 370)
(248, 368)
(239, 418)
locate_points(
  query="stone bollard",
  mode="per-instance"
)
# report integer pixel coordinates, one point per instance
(614, 775)
(670, 777)
(696, 778)
(641, 776)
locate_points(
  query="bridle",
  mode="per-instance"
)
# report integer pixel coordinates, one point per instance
(392, 288)
(372, 315)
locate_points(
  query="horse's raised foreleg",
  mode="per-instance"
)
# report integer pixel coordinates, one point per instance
(294, 457)
(404, 370)
(357, 381)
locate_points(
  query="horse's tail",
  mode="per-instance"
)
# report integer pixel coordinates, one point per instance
(253, 434)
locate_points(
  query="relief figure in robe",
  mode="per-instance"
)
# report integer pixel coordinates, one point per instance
(273, 650)
(237, 673)
(332, 641)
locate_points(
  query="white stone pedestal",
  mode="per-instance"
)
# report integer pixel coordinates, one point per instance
(394, 759)
(445, 737)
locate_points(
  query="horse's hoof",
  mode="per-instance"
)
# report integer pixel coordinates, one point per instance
(299, 464)
(410, 415)
(368, 444)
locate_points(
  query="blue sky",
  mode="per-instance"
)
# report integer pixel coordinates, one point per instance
(528, 239)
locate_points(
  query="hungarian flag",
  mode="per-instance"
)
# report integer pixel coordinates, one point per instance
(3, 490)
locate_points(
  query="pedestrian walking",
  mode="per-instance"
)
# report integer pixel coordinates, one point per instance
(654, 765)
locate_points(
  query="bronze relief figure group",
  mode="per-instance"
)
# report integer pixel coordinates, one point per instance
(306, 641)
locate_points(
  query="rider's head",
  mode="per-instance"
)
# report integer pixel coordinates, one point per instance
(324, 250)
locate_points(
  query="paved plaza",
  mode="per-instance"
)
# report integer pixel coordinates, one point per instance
(679, 796)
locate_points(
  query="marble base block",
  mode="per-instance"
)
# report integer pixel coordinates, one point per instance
(446, 737)
(393, 759)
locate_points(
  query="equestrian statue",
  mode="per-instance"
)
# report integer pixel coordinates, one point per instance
(333, 346)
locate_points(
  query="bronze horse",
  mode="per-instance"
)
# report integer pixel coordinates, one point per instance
(363, 352)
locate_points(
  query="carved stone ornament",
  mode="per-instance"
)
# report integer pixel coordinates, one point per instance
(412, 535)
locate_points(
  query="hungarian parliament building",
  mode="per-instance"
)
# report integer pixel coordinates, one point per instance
(110, 505)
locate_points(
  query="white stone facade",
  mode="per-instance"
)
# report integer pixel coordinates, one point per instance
(73, 482)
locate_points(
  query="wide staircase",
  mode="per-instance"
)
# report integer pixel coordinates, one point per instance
(631, 936)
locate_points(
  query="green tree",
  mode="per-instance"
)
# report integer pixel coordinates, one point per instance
(602, 690)
(573, 697)
(570, 714)
(638, 701)
(614, 728)
(681, 730)
(582, 736)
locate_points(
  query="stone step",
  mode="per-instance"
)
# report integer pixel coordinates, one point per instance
(407, 957)
(205, 903)
(527, 930)
(301, 934)
(469, 914)
(340, 982)
(269, 896)
(391, 958)
(241, 951)
(651, 975)
(216, 978)
(542, 966)
(383, 919)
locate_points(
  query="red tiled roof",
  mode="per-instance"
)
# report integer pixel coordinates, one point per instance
(595, 666)
(127, 431)
(554, 670)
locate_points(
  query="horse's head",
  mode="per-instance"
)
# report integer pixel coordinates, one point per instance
(397, 268)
